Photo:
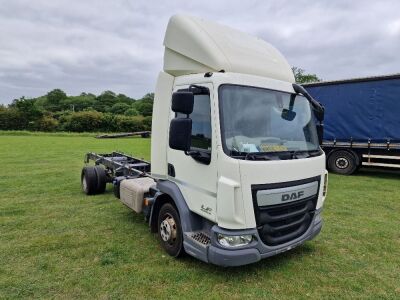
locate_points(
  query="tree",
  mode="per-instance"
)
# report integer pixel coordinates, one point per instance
(145, 105)
(105, 101)
(54, 98)
(27, 109)
(149, 97)
(144, 108)
(125, 99)
(302, 77)
(131, 112)
(119, 108)
(78, 103)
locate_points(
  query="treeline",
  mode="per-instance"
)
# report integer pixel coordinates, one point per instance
(55, 111)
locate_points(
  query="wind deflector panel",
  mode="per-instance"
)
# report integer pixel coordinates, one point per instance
(194, 45)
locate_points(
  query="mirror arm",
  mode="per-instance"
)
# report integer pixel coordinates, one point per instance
(199, 156)
(198, 89)
(192, 153)
(315, 104)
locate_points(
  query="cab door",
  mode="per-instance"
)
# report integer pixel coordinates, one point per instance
(196, 171)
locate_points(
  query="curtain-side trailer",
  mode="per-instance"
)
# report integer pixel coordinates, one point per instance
(362, 122)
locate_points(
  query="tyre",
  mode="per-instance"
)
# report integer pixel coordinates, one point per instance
(116, 190)
(89, 180)
(101, 179)
(170, 230)
(343, 162)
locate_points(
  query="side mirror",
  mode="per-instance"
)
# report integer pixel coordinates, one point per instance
(320, 133)
(180, 134)
(180, 129)
(182, 102)
(288, 114)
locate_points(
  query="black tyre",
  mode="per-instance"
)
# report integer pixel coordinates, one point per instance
(116, 190)
(89, 180)
(101, 179)
(343, 162)
(170, 230)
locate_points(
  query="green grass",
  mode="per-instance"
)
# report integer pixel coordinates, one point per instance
(55, 242)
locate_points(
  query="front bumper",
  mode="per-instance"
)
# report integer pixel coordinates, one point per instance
(256, 250)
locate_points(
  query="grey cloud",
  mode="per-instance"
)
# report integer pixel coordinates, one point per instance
(99, 45)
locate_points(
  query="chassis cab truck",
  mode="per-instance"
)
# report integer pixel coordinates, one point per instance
(237, 173)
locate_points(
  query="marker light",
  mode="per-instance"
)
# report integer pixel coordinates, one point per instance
(325, 190)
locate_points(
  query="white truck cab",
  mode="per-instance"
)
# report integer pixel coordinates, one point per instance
(236, 166)
(253, 177)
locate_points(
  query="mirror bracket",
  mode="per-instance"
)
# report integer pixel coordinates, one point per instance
(319, 110)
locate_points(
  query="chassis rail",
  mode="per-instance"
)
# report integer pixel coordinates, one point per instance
(120, 164)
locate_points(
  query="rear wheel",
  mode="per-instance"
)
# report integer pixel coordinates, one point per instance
(342, 162)
(89, 180)
(170, 230)
(101, 179)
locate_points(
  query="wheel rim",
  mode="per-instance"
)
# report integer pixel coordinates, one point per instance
(342, 163)
(168, 229)
(84, 183)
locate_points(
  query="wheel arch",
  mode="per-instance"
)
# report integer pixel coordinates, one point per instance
(169, 192)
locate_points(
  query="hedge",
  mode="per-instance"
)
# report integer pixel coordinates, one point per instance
(83, 121)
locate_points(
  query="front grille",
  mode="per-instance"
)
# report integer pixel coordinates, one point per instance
(281, 223)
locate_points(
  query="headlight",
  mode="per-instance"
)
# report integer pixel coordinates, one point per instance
(234, 240)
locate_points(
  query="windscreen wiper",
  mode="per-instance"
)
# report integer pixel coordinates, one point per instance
(261, 156)
(296, 154)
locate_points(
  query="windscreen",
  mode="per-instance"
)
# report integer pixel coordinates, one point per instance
(266, 121)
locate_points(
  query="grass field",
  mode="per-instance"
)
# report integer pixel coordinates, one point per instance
(55, 242)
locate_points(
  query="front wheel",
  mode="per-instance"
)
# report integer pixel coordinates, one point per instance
(170, 230)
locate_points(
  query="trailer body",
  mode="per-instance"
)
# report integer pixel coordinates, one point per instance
(361, 121)
(238, 171)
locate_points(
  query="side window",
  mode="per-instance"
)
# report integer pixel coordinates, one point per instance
(201, 122)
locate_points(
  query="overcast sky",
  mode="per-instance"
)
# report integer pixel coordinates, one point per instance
(94, 46)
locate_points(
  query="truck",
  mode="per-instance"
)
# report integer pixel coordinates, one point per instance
(361, 122)
(236, 173)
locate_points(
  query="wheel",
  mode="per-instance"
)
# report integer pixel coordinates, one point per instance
(101, 179)
(170, 230)
(89, 180)
(342, 162)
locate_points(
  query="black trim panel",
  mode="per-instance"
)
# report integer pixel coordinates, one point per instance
(281, 223)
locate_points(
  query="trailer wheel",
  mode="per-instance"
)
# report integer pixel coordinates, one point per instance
(170, 230)
(342, 162)
(89, 180)
(101, 179)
